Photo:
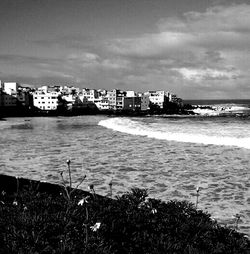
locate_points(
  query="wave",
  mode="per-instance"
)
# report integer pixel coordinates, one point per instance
(131, 127)
(221, 109)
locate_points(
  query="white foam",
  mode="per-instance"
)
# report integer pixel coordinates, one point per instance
(128, 126)
(206, 112)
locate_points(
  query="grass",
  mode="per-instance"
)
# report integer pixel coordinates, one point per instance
(32, 221)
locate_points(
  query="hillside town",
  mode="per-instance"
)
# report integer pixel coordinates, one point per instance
(25, 99)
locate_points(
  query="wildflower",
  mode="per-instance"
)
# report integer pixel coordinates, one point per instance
(14, 203)
(145, 204)
(154, 211)
(96, 226)
(83, 201)
(197, 189)
(68, 162)
(91, 186)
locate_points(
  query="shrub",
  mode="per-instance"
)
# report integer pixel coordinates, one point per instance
(132, 223)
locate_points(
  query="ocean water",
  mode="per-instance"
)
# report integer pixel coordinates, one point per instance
(169, 155)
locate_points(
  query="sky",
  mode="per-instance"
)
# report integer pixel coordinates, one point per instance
(197, 49)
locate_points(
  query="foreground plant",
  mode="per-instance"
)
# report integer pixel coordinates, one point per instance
(69, 190)
(132, 223)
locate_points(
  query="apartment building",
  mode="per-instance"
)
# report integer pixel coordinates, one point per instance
(45, 100)
(10, 87)
(12, 95)
(102, 103)
(116, 99)
(69, 90)
(132, 103)
(157, 97)
(173, 98)
(144, 101)
(111, 96)
(7, 100)
(90, 94)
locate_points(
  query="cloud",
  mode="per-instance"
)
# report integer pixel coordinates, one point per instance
(197, 49)
(225, 26)
(218, 28)
(20, 66)
(207, 74)
(150, 45)
(83, 59)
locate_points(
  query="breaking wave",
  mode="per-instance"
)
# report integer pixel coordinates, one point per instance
(174, 133)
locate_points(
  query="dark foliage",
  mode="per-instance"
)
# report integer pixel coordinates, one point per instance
(34, 222)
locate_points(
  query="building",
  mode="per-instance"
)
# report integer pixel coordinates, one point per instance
(8, 100)
(173, 98)
(132, 103)
(10, 87)
(111, 96)
(89, 94)
(69, 90)
(116, 99)
(46, 100)
(144, 101)
(120, 100)
(131, 93)
(9, 94)
(102, 103)
(158, 98)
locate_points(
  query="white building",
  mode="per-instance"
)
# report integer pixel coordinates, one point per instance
(90, 94)
(46, 100)
(111, 96)
(69, 90)
(157, 97)
(10, 87)
(43, 89)
(102, 103)
(74, 101)
(131, 94)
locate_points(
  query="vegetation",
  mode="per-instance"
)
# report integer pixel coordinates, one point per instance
(38, 222)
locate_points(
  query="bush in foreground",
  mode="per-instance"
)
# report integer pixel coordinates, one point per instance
(35, 222)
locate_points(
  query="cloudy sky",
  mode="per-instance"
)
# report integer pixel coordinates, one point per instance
(195, 48)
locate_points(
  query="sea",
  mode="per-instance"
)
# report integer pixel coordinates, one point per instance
(169, 155)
